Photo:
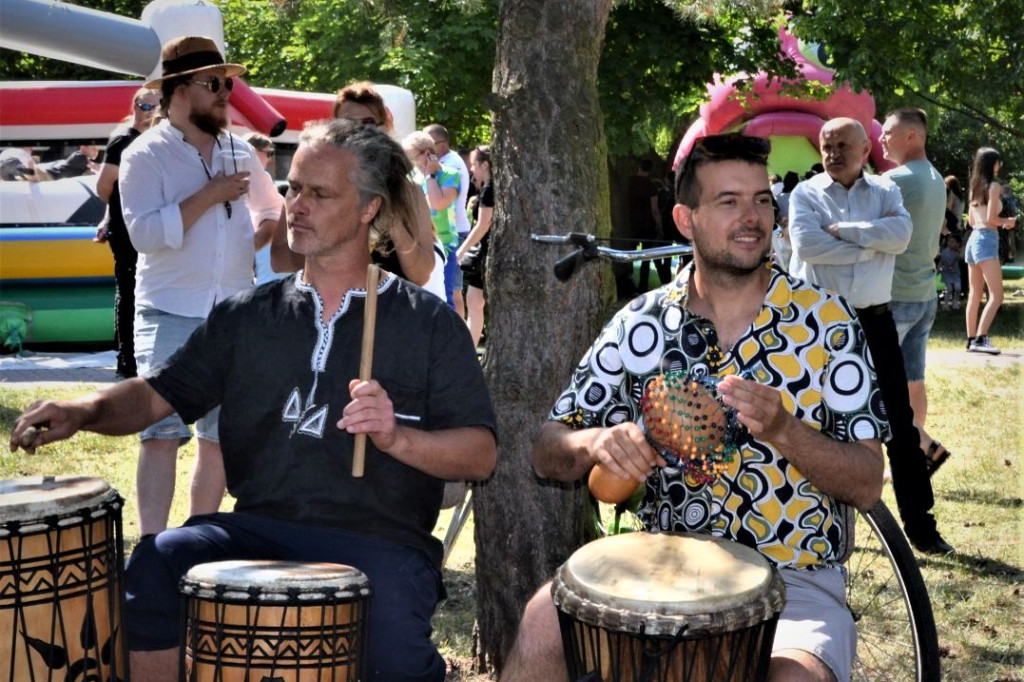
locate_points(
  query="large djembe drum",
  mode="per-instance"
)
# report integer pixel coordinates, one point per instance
(274, 620)
(61, 581)
(645, 607)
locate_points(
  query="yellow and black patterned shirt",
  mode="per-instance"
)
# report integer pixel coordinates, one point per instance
(805, 342)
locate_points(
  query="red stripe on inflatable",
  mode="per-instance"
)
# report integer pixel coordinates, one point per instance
(299, 107)
(65, 105)
(109, 103)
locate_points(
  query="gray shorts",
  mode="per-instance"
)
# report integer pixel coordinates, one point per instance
(816, 620)
(157, 336)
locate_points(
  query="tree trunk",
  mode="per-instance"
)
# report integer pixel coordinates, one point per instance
(551, 177)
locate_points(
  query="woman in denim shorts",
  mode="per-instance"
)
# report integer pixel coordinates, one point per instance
(982, 252)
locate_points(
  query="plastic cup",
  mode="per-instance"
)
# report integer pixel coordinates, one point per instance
(235, 161)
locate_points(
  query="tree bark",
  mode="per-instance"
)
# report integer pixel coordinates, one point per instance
(550, 177)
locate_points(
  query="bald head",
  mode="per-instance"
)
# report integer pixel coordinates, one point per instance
(844, 149)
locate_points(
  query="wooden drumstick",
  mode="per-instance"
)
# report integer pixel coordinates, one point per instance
(366, 359)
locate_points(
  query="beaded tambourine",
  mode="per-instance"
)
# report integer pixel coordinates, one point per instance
(688, 424)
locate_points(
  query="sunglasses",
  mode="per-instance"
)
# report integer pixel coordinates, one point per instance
(145, 106)
(269, 152)
(213, 85)
(730, 146)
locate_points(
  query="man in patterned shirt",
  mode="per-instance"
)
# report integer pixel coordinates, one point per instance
(791, 361)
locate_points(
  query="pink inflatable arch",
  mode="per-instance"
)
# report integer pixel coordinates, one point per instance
(768, 110)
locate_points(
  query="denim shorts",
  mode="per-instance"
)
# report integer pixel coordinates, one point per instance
(157, 336)
(815, 618)
(982, 245)
(913, 324)
(452, 275)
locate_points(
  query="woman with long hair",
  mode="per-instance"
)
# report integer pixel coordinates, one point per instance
(480, 167)
(982, 253)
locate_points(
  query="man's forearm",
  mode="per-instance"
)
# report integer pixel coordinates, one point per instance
(126, 408)
(561, 453)
(467, 453)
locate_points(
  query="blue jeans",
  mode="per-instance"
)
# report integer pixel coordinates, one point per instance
(913, 324)
(406, 585)
(158, 335)
(452, 275)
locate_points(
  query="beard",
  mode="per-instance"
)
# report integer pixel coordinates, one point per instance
(723, 262)
(209, 122)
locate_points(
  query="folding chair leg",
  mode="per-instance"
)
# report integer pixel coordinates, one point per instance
(459, 516)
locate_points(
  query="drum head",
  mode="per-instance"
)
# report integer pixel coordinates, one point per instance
(36, 497)
(274, 581)
(659, 583)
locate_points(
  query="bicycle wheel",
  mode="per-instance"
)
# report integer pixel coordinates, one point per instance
(896, 638)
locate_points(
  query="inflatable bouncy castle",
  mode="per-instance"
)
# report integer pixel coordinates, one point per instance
(775, 109)
(56, 284)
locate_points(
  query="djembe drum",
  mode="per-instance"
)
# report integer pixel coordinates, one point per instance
(645, 607)
(61, 580)
(275, 620)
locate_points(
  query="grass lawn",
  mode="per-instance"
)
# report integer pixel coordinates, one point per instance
(976, 408)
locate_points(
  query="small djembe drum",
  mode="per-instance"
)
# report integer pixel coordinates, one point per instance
(275, 620)
(61, 580)
(686, 422)
(645, 607)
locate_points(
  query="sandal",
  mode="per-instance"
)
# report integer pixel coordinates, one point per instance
(936, 456)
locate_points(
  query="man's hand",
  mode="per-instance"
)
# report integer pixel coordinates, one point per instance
(832, 229)
(433, 164)
(46, 422)
(228, 187)
(370, 412)
(624, 451)
(758, 407)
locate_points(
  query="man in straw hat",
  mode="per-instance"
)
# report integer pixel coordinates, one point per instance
(789, 359)
(281, 360)
(189, 205)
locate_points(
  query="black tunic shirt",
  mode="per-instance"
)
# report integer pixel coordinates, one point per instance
(281, 378)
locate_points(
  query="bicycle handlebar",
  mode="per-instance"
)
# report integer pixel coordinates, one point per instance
(587, 249)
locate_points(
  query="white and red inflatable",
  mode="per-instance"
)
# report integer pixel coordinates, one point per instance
(57, 284)
(769, 108)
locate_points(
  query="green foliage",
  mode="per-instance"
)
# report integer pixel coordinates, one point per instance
(441, 51)
(962, 56)
(659, 57)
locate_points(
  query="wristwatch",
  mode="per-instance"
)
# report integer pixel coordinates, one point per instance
(432, 175)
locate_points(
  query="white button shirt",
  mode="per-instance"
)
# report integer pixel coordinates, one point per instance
(873, 228)
(179, 272)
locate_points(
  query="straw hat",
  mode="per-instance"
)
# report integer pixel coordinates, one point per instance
(192, 54)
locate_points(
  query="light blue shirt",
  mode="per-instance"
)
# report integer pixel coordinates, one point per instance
(873, 228)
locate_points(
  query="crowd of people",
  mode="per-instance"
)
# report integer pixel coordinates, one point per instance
(798, 348)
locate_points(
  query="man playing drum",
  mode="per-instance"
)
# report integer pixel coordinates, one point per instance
(790, 362)
(282, 360)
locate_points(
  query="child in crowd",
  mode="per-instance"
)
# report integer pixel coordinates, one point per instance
(949, 267)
